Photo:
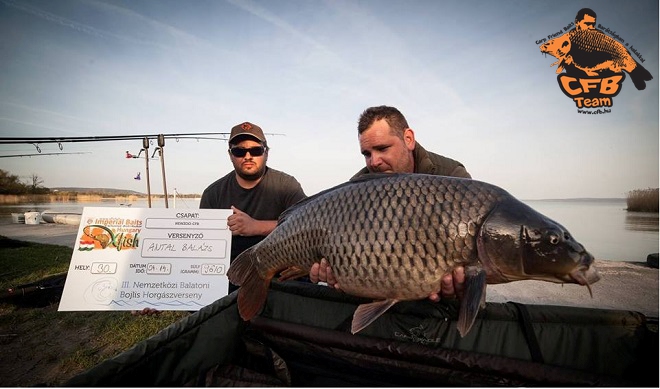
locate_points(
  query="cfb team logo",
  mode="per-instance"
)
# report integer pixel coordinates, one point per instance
(592, 65)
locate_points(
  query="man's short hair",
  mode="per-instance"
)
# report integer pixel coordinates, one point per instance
(584, 11)
(392, 116)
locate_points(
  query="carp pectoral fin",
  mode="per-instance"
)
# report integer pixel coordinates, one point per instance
(365, 314)
(291, 273)
(474, 298)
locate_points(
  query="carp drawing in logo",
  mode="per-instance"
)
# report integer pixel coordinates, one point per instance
(96, 236)
(593, 63)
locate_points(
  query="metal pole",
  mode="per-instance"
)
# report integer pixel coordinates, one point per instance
(145, 146)
(161, 151)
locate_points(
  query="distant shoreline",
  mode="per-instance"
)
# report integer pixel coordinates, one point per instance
(585, 199)
(86, 197)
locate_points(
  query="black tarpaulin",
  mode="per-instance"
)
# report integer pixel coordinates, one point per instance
(302, 338)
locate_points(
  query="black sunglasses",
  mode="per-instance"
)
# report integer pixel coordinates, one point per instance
(240, 152)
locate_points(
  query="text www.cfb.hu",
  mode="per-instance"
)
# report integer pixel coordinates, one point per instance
(596, 112)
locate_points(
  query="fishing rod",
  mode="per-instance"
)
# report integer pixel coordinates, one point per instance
(37, 140)
(147, 139)
(38, 154)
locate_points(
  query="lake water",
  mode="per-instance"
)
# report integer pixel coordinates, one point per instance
(604, 227)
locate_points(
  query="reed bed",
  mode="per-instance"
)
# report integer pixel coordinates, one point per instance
(127, 199)
(50, 198)
(643, 200)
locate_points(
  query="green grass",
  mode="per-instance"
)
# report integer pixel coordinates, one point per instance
(23, 262)
(66, 343)
(114, 332)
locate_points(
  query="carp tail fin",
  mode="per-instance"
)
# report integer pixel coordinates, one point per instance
(639, 76)
(473, 300)
(253, 288)
(365, 314)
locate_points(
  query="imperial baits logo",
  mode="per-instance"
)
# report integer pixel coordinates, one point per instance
(592, 63)
(115, 233)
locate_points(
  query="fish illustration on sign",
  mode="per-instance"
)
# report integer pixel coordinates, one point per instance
(392, 237)
(97, 233)
(594, 52)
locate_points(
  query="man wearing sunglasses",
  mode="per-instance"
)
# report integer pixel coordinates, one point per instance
(256, 193)
(388, 146)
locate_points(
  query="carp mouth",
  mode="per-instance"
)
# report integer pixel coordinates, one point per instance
(585, 275)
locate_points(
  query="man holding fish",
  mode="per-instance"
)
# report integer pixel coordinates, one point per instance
(256, 194)
(388, 146)
(399, 236)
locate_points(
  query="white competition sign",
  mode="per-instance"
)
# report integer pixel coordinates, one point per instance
(135, 258)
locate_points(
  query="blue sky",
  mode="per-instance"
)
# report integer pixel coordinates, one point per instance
(468, 76)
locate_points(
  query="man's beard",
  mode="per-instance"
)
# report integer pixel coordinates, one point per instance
(251, 177)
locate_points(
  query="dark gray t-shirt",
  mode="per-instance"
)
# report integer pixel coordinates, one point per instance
(276, 192)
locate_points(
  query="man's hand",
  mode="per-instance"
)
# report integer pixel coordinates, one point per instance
(146, 311)
(452, 285)
(322, 272)
(240, 223)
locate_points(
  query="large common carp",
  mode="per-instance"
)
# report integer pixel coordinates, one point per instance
(392, 237)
